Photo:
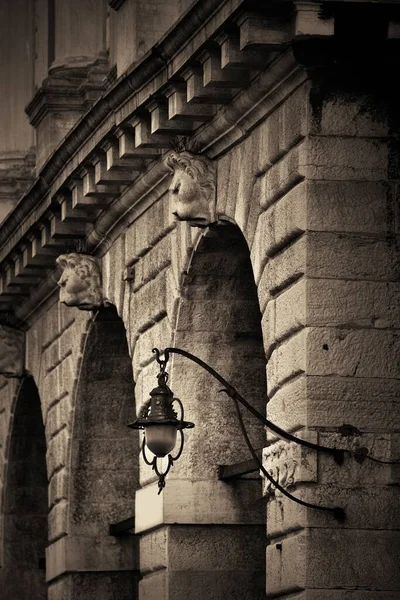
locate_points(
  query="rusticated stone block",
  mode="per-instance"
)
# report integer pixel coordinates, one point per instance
(285, 220)
(376, 505)
(197, 502)
(58, 486)
(197, 585)
(154, 222)
(282, 269)
(58, 520)
(336, 564)
(345, 114)
(153, 262)
(283, 175)
(148, 304)
(112, 273)
(287, 361)
(228, 175)
(293, 566)
(57, 450)
(352, 206)
(330, 401)
(345, 158)
(353, 352)
(347, 256)
(73, 553)
(147, 341)
(287, 565)
(12, 352)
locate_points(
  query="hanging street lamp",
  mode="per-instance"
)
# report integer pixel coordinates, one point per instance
(161, 425)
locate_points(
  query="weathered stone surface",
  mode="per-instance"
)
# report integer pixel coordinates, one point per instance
(348, 206)
(282, 176)
(12, 352)
(347, 256)
(330, 401)
(324, 254)
(345, 114)
(335, 564)
(197, 502)
(345, 158)
(220, 584)
(351, 352)
(287, 571)
(333, 303)
(58, 520)
(184, 548)
(377, 504)
(289, 463)
(71, 554)
(287, 361)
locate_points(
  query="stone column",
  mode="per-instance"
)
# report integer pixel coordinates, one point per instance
(331, 324)
(16, 85)
(136, 25)
(77, 75)
(79, 36)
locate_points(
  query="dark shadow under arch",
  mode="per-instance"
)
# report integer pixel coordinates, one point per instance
(104, 459)
(219, 320)
(25, 501)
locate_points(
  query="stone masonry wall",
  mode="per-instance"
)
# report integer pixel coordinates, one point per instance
(312, 189)
(54, 350)
(143, 274)
(330, 283)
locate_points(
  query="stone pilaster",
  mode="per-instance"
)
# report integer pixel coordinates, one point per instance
(77, 75)
(331, 279)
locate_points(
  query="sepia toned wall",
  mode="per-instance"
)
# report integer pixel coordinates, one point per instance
(293, 296)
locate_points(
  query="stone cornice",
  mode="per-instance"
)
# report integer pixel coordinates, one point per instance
(126, 85)
(213, 77)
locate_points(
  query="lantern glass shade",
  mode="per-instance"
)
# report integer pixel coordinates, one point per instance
(160, 439)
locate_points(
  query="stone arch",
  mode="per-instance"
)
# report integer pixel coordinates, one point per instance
(103, 467)
(25, 531)
(219, 320)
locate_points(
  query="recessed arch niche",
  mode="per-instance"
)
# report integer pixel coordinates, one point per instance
(219, 320)
(25, 530)
(104, 464)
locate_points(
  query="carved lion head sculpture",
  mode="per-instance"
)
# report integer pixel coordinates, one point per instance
(80, 282)
(12, 356)
(192, 188)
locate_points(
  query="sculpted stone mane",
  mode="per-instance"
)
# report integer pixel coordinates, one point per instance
(193, 188)
(80, 282)
(11, 352)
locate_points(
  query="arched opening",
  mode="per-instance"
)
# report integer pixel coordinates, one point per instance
(25, 501)
(220, 321)
(104, 466)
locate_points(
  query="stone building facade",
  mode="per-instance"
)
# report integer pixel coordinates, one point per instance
(220, 176)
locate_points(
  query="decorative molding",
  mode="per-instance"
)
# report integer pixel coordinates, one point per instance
(193, 188)
(69, 89)
(289, 463)
(12, 352)
(80, 282)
